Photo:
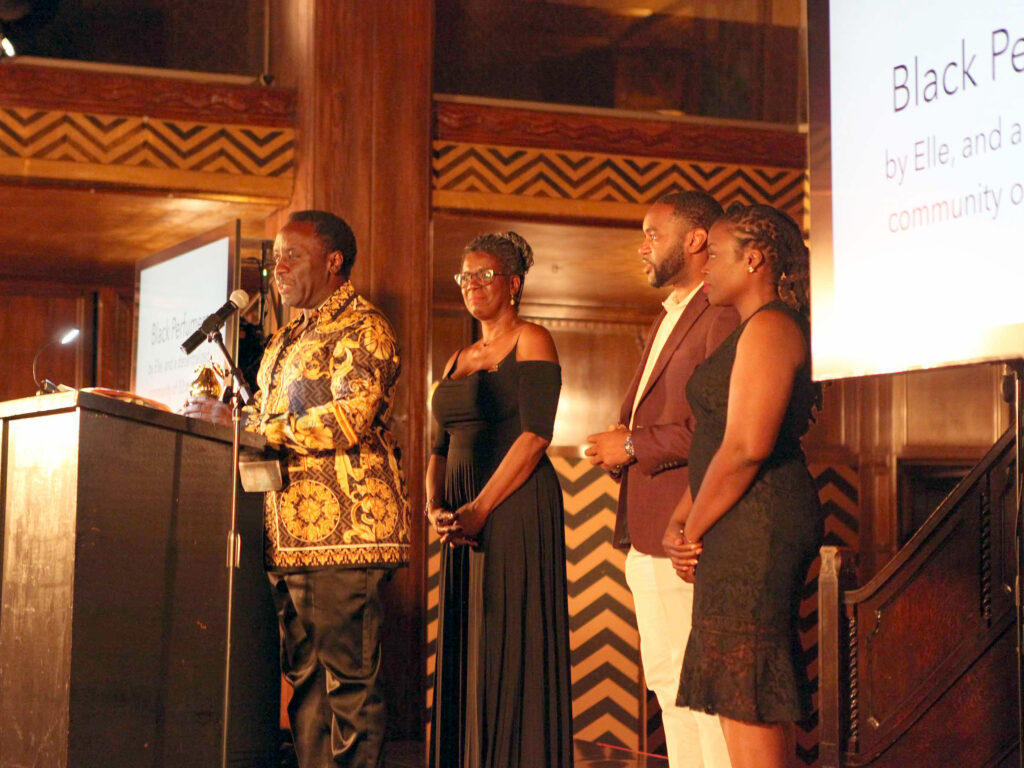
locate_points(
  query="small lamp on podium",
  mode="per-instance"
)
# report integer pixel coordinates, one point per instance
(45, 386)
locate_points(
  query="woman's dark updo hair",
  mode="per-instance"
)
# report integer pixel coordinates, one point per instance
(778, 237)
(509, 248)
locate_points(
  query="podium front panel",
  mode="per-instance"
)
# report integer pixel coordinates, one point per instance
(114, 595)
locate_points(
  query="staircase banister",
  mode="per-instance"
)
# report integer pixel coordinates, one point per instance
(909, 550)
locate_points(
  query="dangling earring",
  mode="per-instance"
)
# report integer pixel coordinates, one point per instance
(511, 301)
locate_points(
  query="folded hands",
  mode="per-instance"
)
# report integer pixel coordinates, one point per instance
(683, 553)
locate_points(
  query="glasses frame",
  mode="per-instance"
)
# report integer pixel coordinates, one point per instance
(470, 276)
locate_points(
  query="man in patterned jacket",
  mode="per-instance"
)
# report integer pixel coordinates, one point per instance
(340, 523)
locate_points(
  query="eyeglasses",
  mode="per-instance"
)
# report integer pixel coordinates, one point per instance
(482, 276)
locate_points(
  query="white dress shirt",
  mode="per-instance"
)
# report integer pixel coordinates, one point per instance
(674, 308)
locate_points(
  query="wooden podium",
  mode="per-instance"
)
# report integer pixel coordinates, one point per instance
(114, 526)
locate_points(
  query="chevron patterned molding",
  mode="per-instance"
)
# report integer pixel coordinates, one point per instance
(602, 627)
(594, 185)
(238, 161)
(433, 598)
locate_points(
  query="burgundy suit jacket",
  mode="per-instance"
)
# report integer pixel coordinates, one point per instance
(663, 424)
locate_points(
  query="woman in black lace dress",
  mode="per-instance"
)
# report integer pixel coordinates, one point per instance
(501, 686)
(750, 525)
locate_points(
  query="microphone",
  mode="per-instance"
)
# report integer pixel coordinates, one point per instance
(235, 302)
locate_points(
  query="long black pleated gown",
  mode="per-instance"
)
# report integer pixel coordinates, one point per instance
(502, 684)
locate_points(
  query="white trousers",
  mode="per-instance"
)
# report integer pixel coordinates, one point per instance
(664, 616)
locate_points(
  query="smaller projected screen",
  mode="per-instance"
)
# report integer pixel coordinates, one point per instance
(927, 186)
(175, 295)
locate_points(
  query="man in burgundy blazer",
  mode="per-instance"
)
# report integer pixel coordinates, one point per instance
(648, 453)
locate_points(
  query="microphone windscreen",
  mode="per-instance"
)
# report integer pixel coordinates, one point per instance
(239, 298)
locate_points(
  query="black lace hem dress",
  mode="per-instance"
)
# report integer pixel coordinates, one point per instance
(743, 659)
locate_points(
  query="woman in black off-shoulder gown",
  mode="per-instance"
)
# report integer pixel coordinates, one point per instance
(502, 684)
(750, 525)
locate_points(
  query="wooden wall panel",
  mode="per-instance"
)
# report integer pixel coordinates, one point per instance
(115, 329)
(835, 432)
(32, 313)
(27, 322)
(880, 422)
(718, 60)
(450, 329)
(952, 408)
(355, 67)
(598, 361)
(948, 415)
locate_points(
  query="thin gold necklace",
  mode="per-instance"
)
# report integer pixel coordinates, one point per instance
(497, 336)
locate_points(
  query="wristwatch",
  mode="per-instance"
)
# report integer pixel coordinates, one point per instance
(627, 446)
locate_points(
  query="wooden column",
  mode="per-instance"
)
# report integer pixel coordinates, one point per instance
(363, 75)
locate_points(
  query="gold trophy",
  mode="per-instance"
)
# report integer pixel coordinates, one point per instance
(209, 381)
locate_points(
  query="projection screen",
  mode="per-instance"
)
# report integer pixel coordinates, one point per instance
(175, 290)
(917, 183)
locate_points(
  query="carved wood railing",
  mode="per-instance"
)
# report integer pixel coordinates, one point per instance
(917, 666)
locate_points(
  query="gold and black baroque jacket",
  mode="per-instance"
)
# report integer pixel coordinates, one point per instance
(326, 391)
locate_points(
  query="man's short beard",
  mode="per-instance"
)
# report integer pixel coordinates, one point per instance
(668, 269)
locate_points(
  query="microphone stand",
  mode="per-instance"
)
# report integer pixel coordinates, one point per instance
(240, 397)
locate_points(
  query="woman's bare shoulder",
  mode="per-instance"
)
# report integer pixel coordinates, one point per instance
(773, 335)
(535, 343)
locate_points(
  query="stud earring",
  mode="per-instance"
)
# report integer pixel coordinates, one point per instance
(750, 269)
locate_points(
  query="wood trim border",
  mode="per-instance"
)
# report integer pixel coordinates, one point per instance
(537, 207)
(65, 89)
(710, 141)
(222, 186)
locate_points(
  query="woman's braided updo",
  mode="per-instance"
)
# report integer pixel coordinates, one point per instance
(778, 237)
(509, 248)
